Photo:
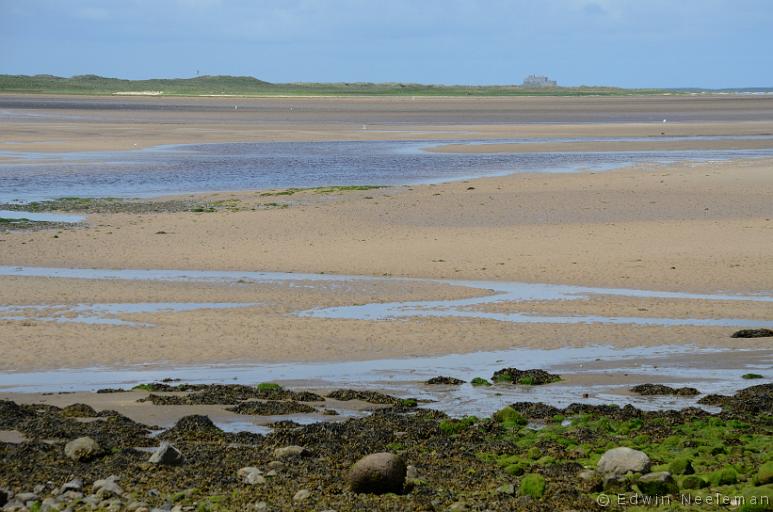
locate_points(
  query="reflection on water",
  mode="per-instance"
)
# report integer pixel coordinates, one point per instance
(240, 166)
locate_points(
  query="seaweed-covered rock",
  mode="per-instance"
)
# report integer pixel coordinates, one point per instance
(660, 389)
(193, 427)
(11, 414)
(532, 485)
(753, 333)
(251, 475)
(448, 381)
(622, 460)
(660, 483)
(694, 482)
(271, 408)
(378, 473)
(372, 397)
(765, 473)
(222, 394)
(291, 451)
(82, 449)
(681, 466)
(79, 411)
(533, 377)
(167, 455)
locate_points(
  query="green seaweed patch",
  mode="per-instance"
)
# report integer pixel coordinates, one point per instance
(750, 376)
(532, 485)
(509, 417)
(480, 381)
(269, 386)
(456, 426)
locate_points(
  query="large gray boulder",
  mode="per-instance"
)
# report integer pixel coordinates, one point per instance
(167, 455)
(619, 461)
(251, 475)
(81, 449)
(378, 473)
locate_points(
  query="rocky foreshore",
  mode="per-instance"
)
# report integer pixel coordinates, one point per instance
(528, 456)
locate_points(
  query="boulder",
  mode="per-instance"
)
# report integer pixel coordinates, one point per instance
(251, 476)
(378, 473)
(660, 483)
(291, 451)
(622, 460)
(167, 455)
(82, 449)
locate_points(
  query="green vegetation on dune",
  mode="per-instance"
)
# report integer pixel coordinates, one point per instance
(250, 86)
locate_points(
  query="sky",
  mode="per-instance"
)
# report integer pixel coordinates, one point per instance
(626, 43)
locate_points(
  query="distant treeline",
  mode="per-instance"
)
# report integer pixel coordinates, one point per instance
(250, 86)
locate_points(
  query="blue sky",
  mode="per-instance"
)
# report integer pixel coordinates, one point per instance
(642, 43)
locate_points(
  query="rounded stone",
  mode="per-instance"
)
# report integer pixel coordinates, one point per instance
(622, 460)
(378, 473)
(83, 448)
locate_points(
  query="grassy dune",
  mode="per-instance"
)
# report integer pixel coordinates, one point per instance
(249, 86)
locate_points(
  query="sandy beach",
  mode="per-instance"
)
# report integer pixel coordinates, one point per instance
(691, 226)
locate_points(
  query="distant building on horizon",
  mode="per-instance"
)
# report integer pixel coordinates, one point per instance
(538, 81)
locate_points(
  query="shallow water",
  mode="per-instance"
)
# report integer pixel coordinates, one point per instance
(491, 292)
(404, 377)
(106, 313)
(240, 166)
(41, 217)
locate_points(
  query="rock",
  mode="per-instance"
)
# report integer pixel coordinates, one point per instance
(532, 485)
(615, 484)
(24, 497)
(251, 475)
(271, 408)
(448, 381)
(590, 481)
(291, 451)
(107, 487)
(3, 497)
(506, 489)
(302, 495)
(753, 333)
(82, 449)
(167, 455)
(79, 411)
(681, 466)
(135, 506)
(622, 460)
(724, 476)
(411, 472)
(533, 377)
(660, 483)
(458, 506)
(76, 484)
(765, 474)
(261, 506)
(50, 505)
(276, 464)
(660, 389)
(378, 473)
(694, 482)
